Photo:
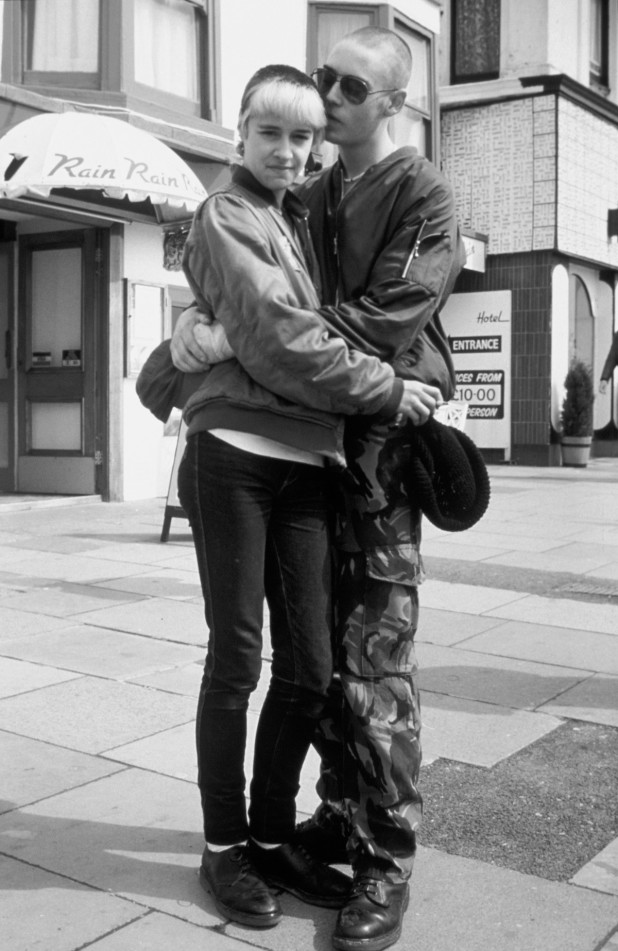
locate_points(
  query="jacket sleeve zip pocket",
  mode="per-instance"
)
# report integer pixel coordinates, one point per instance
(420, 237)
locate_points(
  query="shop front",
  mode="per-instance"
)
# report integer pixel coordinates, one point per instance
(88, 207)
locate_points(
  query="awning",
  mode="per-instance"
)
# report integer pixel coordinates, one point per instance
(99, 158)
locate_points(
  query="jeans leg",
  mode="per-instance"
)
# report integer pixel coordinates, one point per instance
(226, 495)
(298, 593)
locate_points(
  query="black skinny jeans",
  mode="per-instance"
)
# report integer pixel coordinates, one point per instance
(260, 531)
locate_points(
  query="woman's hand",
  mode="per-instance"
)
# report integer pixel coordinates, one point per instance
(187, 353)
(419, 402)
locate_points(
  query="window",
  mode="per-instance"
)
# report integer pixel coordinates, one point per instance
(137, 53)
(167, 48)
(61, 37)
(599, 45)
(415, 125)
(475, 40)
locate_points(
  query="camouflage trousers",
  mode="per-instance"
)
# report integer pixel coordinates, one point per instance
(369, 737)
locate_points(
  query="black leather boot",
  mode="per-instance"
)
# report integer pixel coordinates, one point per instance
(294, 870)
(372, 918)
(239, 892)
(324, 836)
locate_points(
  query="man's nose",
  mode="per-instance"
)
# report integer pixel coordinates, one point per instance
(334, 93)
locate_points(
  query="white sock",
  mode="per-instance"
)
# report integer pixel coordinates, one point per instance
(223, 848)
(268, 845)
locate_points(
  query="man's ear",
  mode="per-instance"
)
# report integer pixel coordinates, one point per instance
(395, 102)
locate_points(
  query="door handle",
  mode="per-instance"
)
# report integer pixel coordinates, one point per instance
(8, 350)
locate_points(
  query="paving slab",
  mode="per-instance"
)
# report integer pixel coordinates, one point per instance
(20, 623)
(562, 646)
(465, 598)
(179, 621)
(170, 752)
(93, 715)
(594, 699)
(571, 558)
(135, 834)
(71, 568)
(17, 676)
(38, 770)
(10, 557)
(450, 627)
(505, 681)
(101, 652)
(469, 550)
(608, 572)
(563, 612)
(183, 558)
(161, 582)
(489, 542)
(601, 874)
(60, 544)
(460, 903)
(157, 932)
(63, 599)
(44, 912)
(478, 733)
(142, 553)
(185, 680)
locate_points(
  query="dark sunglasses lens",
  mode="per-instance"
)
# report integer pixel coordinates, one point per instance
(325, 79)
(354, 89)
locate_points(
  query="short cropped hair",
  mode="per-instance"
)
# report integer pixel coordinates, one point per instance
(397, 53)
(283, 91)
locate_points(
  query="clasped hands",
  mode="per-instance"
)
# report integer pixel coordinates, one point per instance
(195, 344)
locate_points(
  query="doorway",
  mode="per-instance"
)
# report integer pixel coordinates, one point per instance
(7, 454)
(59, 306)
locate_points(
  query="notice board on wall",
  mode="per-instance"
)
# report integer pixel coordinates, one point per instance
(479, 329)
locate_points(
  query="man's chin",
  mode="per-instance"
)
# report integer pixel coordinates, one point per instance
(332, 132)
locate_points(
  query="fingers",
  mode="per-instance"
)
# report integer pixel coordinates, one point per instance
(183, 359)
(419, 402)
(187, 354)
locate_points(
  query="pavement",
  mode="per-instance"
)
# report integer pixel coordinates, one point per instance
(101, 645)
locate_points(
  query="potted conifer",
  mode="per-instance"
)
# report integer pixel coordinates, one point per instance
(576, 415)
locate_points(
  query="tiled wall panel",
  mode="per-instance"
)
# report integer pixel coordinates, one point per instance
(534, 174)
(587, 182)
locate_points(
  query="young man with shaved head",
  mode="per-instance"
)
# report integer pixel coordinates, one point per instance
(385, 233)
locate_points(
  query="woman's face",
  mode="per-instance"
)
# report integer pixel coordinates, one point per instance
(276, 151)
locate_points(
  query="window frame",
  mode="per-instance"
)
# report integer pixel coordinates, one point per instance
(480, 76)
(113, 83)
(61, 79)
(386, 15)
(599, 72)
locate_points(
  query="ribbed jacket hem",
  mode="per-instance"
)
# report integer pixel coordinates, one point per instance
(298, 432)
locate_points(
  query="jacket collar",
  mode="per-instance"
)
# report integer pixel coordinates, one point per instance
(246, 179)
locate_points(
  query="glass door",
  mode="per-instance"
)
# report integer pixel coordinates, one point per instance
(7, 463)
(56, 371)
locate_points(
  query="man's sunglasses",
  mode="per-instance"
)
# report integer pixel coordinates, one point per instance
(354, 89)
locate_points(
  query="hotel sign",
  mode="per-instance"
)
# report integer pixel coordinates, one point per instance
(479, 330)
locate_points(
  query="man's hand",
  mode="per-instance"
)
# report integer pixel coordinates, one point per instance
(419, 401)
(187, 354)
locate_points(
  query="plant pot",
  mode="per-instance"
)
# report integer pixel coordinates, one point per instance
(575, 450)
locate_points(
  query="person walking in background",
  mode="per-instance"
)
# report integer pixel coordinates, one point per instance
(610, 364)
(387, 240)
(253, 484)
